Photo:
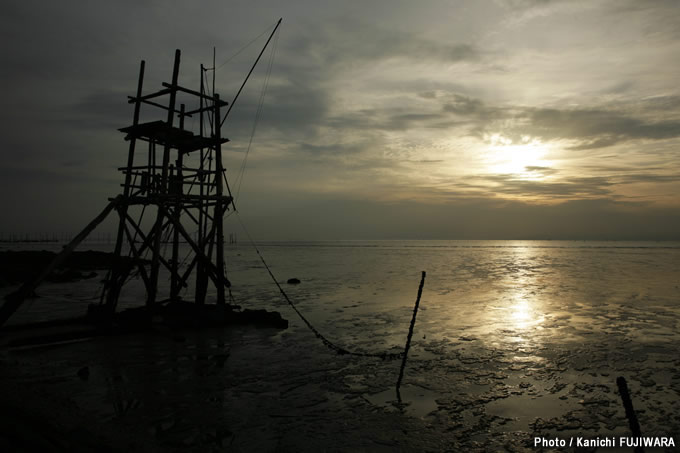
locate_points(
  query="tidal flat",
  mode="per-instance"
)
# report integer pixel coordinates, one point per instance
(514, 340)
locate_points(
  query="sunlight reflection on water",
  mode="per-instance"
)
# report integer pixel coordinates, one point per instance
(521, 308)
(521, 331)
(521, 314)
(362, 292)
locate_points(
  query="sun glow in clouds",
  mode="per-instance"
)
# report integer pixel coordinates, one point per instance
(522, 158)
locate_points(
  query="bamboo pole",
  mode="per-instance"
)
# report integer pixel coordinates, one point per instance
(174, 276)
(13, 300)
(155, 261)
(113, 287)
(630, 411)
(219, 209)
(410, 335)
(200, 273)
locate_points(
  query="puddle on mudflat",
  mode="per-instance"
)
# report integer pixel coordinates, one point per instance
(524, 409)
(415, 401)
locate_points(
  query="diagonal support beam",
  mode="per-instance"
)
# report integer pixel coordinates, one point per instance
(140, 261)
(214, 273)
(194, 261)
(147, 240)
(14, 300)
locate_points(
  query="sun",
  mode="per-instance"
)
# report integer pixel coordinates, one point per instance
(523, 158)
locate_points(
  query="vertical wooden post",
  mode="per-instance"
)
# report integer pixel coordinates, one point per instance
(152, 175)
(201, 278)
(179, 182)
(114, 284)
(163, 190)
(219, 205)
(630, 411)
(410, 335)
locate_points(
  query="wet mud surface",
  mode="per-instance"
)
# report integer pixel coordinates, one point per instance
(509, 345)
(250, 389)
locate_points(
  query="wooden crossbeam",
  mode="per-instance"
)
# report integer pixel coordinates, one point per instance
(132, 100)
(215, 99)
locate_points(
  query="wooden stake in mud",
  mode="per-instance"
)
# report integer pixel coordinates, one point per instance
(410, 334)
(630, 411)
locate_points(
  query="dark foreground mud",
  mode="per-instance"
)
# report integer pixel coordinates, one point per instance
(247, 389)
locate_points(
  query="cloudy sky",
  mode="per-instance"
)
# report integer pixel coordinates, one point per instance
(503, 119)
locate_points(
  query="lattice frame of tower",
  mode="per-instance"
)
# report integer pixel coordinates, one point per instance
(178, 192)
(181, 176)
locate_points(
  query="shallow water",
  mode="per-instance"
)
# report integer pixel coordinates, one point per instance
(513, 339)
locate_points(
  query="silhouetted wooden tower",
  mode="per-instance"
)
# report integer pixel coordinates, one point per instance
(179, 175)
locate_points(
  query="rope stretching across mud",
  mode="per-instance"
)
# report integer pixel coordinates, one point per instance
(338, 349)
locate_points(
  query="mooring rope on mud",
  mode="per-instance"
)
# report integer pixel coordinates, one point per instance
(338, 349)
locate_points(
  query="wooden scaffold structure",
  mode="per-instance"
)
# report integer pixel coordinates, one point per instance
(173, 177)
(180, 176)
